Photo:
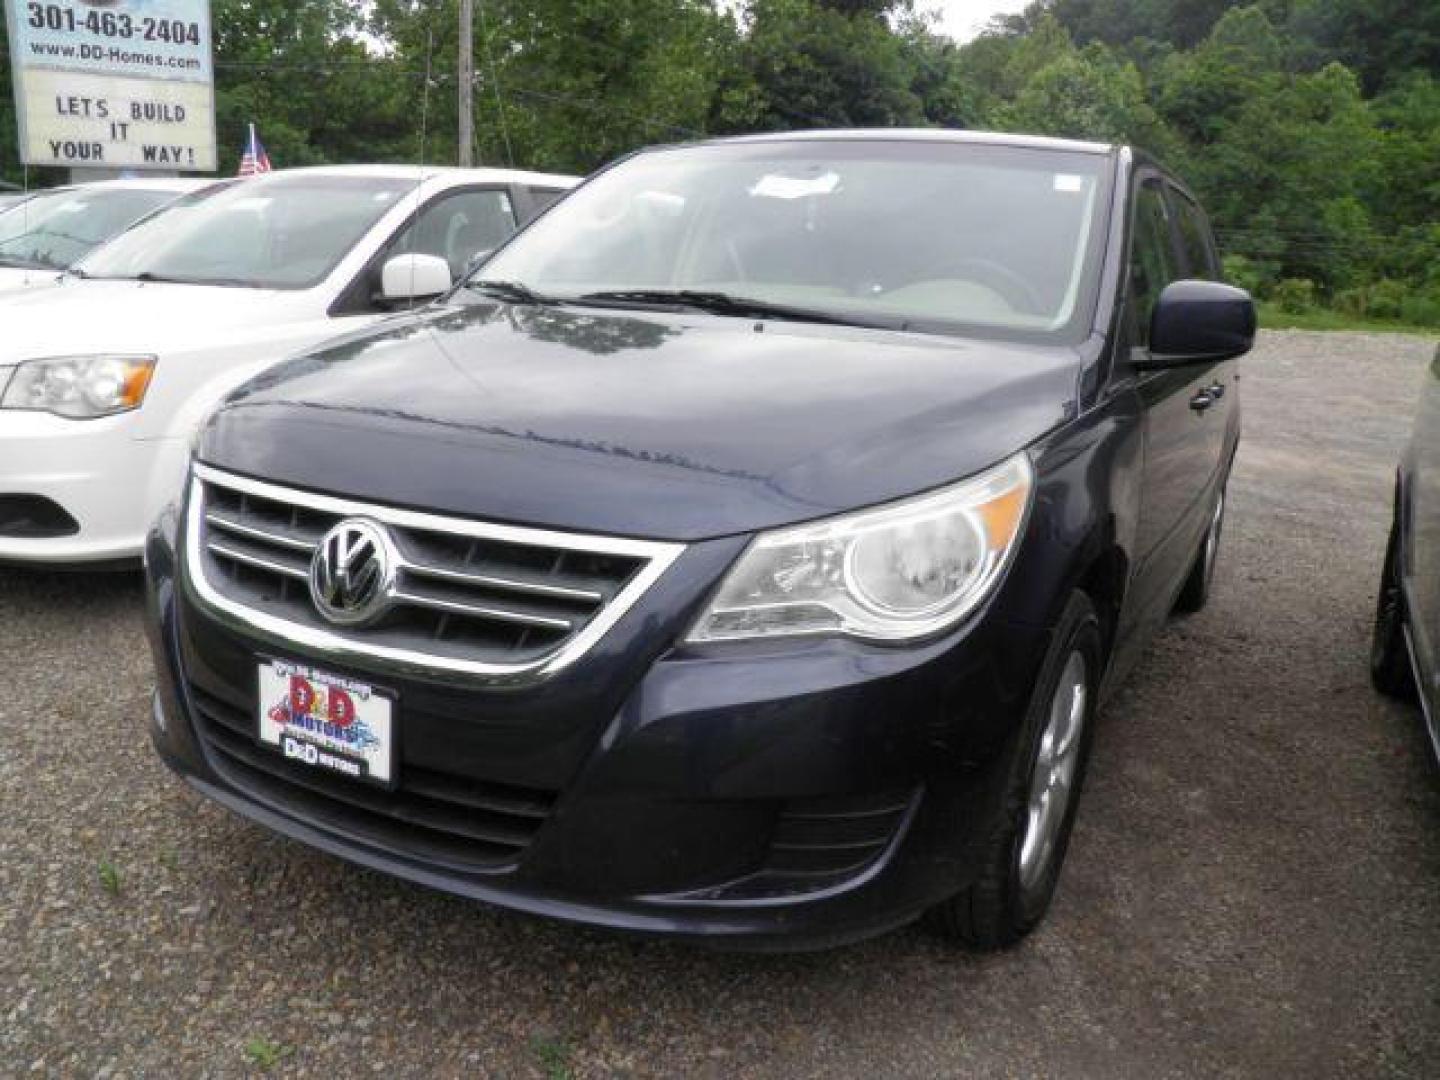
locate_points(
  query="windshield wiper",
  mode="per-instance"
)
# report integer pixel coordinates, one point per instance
(151, 278)
(719, 303)
(514, 292)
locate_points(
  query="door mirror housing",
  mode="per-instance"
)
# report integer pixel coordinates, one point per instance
(1194, 321)
(414, 277)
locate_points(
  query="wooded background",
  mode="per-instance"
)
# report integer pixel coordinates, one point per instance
(1310, 128)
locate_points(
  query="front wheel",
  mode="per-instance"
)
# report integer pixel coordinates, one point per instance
(1389, 658)
(1196, 590)
(1022, 856)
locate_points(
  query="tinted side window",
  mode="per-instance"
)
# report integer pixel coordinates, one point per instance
(1195, 238)
(458, 227)
(1152, 258)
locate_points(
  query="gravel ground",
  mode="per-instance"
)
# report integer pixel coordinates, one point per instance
(1253, 887)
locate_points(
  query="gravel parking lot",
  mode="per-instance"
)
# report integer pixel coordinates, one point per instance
(1253, 887)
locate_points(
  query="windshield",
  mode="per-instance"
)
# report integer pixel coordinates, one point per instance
(936, 236)
(275, 232)
(55, 229)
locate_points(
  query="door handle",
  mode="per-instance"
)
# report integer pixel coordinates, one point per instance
(1202, 401)
(1216, 390)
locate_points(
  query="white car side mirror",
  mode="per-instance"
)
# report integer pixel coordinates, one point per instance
(414, 277)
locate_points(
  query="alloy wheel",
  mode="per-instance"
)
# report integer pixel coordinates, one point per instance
(1052, 778)
(1212, 538)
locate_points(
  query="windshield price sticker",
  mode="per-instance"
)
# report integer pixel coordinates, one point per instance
(117, 84)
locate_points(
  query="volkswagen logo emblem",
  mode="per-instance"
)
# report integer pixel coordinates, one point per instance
(353, 572)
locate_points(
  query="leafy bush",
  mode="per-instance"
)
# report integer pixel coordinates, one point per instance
(1354, 301)
(1252, 275)
(1386, 299)
(1422, 308)
(1295, 295)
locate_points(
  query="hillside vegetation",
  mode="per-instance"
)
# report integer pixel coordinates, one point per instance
(1309, 128)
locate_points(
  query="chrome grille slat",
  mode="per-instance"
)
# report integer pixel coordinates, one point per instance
(256, 562)
(250, 532)
(453, 607)
(461, 577)
(502, 603)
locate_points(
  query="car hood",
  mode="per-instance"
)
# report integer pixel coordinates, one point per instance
(667, 426)
(77, 317)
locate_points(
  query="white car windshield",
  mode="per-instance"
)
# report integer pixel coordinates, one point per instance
(274, 232)
(928, 235)
(53, 230)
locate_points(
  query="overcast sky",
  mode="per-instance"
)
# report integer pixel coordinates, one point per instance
(963, 19)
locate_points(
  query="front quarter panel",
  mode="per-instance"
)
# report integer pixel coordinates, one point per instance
(1082, 529)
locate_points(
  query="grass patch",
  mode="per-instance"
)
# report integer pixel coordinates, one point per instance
(1272, 317)
(554, 1057)
(109, 877)
(265, 1054)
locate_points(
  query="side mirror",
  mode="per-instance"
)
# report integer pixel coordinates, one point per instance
(414, 277)
(1195, 321)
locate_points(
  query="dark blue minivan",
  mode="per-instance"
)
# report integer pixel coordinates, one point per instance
(741, 552)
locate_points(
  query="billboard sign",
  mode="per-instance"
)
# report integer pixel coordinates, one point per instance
(114, 84)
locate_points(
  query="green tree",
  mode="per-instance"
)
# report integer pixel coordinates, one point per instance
(301, 71)
(570, 84)
(814, 66)
(1379, 39)
(1089, 94)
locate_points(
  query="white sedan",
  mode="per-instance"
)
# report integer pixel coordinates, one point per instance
(104, 378)
(49, 231)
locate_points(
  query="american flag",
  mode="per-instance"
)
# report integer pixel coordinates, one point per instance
(254, 161)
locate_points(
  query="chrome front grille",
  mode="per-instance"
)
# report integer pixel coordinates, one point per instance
(466, 596)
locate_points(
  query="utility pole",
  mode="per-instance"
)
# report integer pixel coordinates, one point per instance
(467, 83)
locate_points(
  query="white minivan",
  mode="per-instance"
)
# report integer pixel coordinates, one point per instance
(104, 378)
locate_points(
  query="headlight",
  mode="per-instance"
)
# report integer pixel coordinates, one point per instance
(899, 572)
(80, 387)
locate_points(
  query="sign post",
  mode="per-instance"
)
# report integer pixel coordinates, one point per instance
(114, 84)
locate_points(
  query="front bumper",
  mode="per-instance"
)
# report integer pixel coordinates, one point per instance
(97, 472)
(781, 797)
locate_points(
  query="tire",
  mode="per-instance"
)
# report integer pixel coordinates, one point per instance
(1390, 671)
(1019, 868)
(1196, 590)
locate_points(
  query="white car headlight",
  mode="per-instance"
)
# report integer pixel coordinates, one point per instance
(80, 387)
(899, 572)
